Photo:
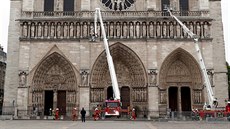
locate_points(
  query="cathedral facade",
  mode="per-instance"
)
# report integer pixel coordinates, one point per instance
(54, 61)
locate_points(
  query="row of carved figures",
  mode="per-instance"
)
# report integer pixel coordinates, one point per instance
(77, 30)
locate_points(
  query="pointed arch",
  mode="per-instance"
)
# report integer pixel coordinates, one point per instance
(130, 73)
(54, 69)
(128, 66)
(180, 66)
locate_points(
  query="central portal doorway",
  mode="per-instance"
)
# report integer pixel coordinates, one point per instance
(173, 93)
(125, 97)
(48, 102)
(61, 102)
(185, 99)
(110, 92)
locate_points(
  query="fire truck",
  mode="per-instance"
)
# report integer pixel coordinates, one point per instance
(112, 107)
(210, 107)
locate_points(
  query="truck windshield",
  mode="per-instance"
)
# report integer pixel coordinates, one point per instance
(112, 104)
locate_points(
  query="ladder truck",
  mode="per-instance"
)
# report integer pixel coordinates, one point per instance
(112, 106)
(211, 105)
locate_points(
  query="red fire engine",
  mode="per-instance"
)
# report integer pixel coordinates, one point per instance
(112, 107)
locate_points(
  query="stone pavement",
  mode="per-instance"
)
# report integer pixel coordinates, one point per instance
(49, 124)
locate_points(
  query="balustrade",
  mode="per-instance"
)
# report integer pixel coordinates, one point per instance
(110, 14)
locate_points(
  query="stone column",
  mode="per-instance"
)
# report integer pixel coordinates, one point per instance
(153, 94)
(84, 91)
(179, 99)
(28, 5)
(22, 94)
(204, 4)
(85, 5)
(55, 99)
(151, 4)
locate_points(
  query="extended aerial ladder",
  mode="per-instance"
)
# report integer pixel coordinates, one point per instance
(113, 107)
(109, 57)
(212, 101)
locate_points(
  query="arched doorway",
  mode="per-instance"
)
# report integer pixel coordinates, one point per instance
(131, 77)
(181, 75)
(54, 85)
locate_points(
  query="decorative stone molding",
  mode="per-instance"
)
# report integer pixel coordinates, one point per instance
(84, 77)
(22, 78)
(152, 73)
(210, 73)
(79, 25)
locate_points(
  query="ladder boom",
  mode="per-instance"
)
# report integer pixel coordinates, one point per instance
(108, 55)
(211, 99)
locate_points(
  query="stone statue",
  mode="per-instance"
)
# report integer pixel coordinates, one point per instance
(111, 30)
(125, 30)
(22, 79)
(85, 30)
(84, 78)
(52, 30)
(151, 30)
(39, 30)
(46, 30)
(118, 30)
(25, 30)
(138, 30)
(131, 30)
(71, 33)
(32, 30)
(59, 30)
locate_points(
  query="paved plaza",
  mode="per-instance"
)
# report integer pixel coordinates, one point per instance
(49, 124)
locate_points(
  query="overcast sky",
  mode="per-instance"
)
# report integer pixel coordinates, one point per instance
(4, 22)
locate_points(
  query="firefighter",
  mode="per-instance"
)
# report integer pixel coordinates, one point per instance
(74, 114)
(133, 115)
(227, 108)
(96, 114)
(57, 114)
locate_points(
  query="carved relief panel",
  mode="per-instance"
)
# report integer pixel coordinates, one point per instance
(163, 96)
(139, 95)
(97, 95)
(197, 97)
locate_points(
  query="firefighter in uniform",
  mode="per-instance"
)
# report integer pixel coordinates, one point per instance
(96, 114)
(74, 114)
(57, 114)
(133, 115)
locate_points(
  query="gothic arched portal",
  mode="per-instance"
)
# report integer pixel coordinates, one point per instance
(130, 74)
(54, 85)
(180, 82)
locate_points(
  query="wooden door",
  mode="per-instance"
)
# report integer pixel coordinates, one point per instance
(125, 97)
(61, 102)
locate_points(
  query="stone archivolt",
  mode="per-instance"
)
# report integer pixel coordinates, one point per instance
(180, 69)
(129, 70)
(55, 70)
